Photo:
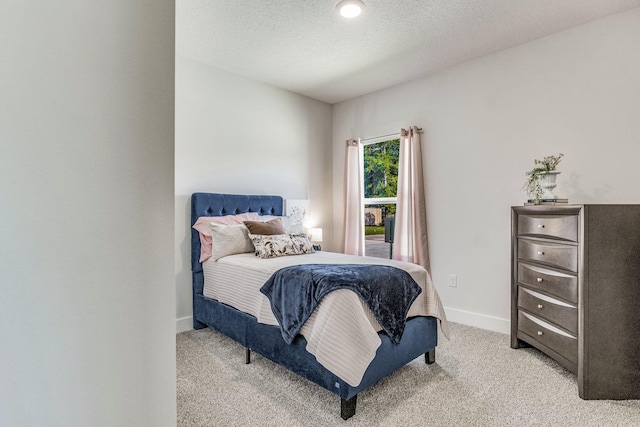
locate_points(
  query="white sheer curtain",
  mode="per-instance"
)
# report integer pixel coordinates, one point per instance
(410, 236)
(353, 212)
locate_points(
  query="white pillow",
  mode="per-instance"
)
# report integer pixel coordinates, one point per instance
(203, 225)
(292, 225)
(281, 245)
(229, 240)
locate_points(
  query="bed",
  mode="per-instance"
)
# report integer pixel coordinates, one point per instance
(420, 335)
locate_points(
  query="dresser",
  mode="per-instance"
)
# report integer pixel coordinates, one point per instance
(575, 292)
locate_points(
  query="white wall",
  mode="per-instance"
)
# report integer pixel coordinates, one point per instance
(235, 135)
(86, 214)
(576, 92)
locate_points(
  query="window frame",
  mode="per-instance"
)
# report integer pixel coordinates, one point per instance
(373, 200)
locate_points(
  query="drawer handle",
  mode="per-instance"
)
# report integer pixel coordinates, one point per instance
(540, 252)
(540, 333)
(540, 225)
(539, 280)
(540, 306)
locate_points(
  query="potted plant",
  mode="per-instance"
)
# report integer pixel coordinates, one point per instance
(541, 180)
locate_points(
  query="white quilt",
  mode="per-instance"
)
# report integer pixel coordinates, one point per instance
(346, 351)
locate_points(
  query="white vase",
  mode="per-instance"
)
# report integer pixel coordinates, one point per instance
(548, 183)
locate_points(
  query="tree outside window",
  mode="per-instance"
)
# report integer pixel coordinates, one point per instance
(380, 193)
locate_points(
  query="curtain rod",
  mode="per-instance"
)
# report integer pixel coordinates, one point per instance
(385, 136)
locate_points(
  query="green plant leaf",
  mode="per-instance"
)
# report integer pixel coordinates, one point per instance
(541, 167)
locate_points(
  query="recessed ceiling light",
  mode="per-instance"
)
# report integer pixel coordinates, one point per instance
(350, 8)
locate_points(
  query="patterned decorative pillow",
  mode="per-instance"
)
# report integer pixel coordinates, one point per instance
(229, 240)
(281, 245)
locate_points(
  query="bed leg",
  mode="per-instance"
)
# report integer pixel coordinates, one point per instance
(198, 324)
(430, 356)
(348, 407)
(247, 356)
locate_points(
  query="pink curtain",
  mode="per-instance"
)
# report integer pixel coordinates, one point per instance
(354, 213)
(410, 236)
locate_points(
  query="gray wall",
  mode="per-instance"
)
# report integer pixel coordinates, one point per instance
(235, 135)
(86, 213)
(576, 92)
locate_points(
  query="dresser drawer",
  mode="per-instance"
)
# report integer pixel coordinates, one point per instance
(551, 309)
(563, 227)
(553, 254)
(562, 285)
(548, 335)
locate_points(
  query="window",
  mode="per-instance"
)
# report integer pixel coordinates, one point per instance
(380, 195)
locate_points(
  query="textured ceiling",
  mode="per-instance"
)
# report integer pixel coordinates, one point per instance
(305, 46)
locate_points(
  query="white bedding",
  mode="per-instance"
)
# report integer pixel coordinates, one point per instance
(236, 281)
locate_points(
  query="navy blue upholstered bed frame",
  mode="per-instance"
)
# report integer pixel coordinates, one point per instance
(420, 335)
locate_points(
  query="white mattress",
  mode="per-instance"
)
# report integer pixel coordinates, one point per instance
(236, 281)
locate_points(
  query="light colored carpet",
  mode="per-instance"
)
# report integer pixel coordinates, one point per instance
(477, 380)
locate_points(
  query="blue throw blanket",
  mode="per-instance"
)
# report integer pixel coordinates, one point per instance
(295, 292)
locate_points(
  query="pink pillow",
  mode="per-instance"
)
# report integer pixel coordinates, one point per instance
(203, 228)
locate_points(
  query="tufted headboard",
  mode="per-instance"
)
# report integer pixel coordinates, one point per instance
(217, 204)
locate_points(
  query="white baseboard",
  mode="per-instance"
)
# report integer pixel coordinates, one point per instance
(184, 324)
(481, 321)
(458, 316)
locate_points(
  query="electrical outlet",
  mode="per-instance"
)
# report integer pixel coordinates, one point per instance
(453, 280)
